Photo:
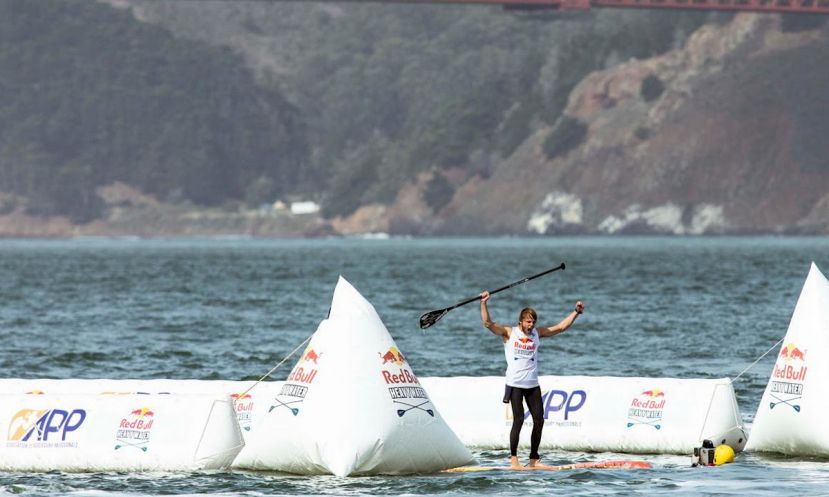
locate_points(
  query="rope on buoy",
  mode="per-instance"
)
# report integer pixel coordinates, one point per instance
(260, 380)
(758, 360)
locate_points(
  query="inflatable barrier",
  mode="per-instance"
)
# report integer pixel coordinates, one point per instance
(789, 418)
(85, 432)
(352, 405)
(626, 415)
(584, 413)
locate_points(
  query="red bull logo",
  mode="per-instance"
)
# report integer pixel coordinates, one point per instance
(243, 405)
(310, 355)
(646, 409)
(305, 374)
(406, 399)
(394, 356)
(140, 419)
(35, 392)
(788, 376)
(791, 353)
(793, 367)
(134, 429)
(524, 347)
(649, 399)
(45, 425)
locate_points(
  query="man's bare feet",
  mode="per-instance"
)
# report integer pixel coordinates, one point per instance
(514, 464)
(533, 463)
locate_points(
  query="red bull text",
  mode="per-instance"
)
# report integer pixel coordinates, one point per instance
(301, 376)
(134, 429)
(646, 409)
(243, 405)
(788, 376)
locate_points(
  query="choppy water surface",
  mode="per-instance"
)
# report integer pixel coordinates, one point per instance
(211, 309)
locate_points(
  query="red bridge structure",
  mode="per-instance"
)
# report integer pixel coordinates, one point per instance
(762, 6)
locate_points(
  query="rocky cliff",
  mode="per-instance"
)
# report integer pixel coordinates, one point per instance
(721, 136)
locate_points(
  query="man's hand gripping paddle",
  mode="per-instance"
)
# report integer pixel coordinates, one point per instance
(433, 317)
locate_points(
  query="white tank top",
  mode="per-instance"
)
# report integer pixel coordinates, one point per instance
(521, 352)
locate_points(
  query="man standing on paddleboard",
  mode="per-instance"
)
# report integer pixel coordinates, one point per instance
(521, 349)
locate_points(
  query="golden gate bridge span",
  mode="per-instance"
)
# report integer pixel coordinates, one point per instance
(759, 6)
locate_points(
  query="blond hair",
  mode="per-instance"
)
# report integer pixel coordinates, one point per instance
(527, 311)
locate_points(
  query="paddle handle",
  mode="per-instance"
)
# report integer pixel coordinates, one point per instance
(507, 287)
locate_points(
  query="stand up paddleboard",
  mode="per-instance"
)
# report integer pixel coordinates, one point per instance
(581, 465)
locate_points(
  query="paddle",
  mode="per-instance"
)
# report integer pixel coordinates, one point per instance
(432, 317)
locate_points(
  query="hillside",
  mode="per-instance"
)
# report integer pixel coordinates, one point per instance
(731, 143)
(410, 119)
(91, 96)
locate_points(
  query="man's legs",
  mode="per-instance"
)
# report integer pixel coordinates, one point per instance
(517, 403)
(537, 411)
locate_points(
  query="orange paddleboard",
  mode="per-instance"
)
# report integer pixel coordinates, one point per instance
(580, 465)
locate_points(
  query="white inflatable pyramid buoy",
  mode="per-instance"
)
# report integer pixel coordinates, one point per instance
(353, 406)
(791, 416)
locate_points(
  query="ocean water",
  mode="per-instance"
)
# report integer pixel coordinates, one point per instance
(232, 309)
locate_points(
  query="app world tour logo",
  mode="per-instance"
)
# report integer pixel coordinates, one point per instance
(559, 406)
(44, 428)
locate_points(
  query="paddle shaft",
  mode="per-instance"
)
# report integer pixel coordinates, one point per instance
(507, 287)
(433, 317)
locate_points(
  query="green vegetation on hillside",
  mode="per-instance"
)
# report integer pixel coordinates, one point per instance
(88, 96)
(390, 91)
(352, 101)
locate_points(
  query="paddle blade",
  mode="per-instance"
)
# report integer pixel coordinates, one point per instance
(431, 318)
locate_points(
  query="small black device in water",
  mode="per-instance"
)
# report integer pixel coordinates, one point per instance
(704, 456)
